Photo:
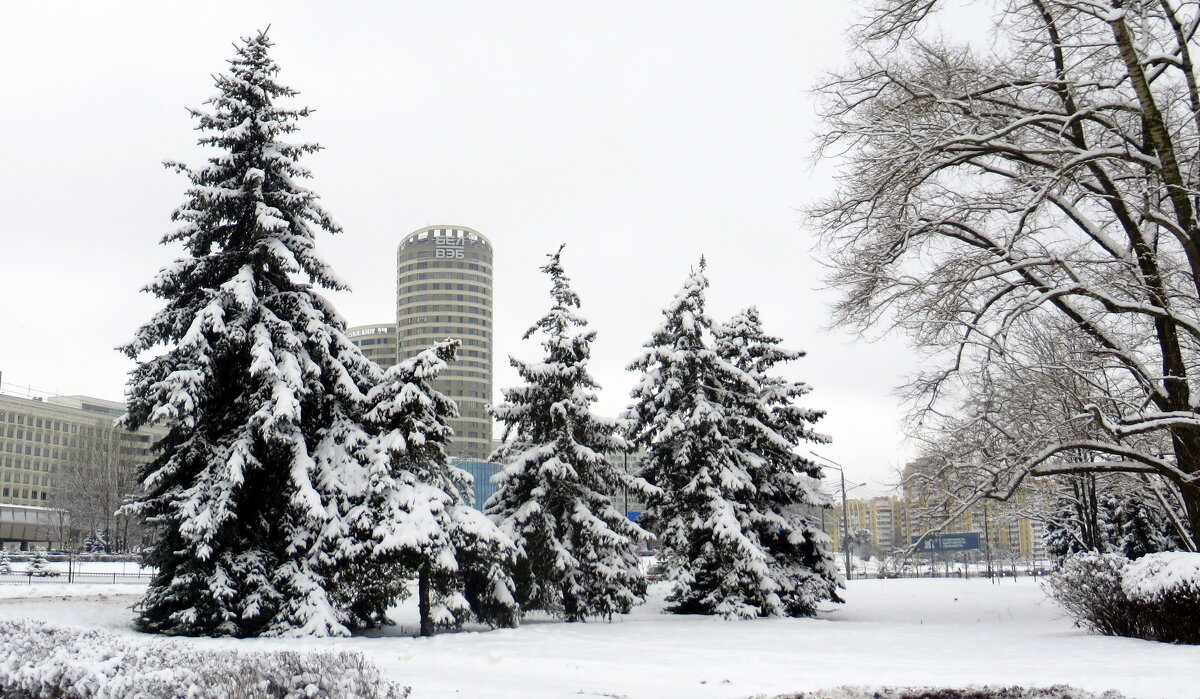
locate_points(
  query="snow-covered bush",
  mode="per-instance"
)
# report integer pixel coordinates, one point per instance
(1088, 587)
(5, 562)
(1163, 590)
(39, 567)
(1058, 691)
(1156, 597)
(39, 660)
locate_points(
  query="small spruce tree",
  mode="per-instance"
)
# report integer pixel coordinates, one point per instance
(417, 516)
(258, 387)
(40, 566)
(694, 413)
(5, 562)
(577, 553)
(96, 542)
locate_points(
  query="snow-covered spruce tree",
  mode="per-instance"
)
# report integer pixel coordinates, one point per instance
(417, 516)
(690, 414)
(260, 391)
(767, 427)
(1109, 514)
(577, 553)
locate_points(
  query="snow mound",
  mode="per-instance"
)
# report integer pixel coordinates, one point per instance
(1157, 576)
(1058, 691)
(40, 660)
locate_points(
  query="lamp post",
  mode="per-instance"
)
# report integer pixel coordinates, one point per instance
(845, 511)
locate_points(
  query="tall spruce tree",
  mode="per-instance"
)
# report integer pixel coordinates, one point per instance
(768, 427)
(417, 515)
(260, 391)
(577, 553)
(694, 413)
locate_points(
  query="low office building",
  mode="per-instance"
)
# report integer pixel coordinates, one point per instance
(54, 451)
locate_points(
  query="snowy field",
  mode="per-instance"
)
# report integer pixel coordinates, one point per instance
(891, 632)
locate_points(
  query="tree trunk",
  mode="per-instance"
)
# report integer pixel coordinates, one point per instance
(423, 602)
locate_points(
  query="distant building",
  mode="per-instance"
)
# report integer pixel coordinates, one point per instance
(891, 521)
(43, 441)
(444, 290)
(884, 519)
(377, 342)
(481, 473)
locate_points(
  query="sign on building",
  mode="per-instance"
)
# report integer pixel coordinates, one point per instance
(947, 542)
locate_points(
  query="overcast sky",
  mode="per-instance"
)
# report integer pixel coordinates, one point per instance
(641, 134)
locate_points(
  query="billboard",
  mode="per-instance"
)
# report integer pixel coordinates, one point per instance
(947, 542)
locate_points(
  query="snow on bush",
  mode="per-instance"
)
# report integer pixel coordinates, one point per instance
(1156, 597)
(1058, 691)
(1158, 576)
(1163, 590)
(39, 660)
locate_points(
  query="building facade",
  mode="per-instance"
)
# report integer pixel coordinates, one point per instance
(377, 342)
(60, 453)
(892, 522)
(444, 290)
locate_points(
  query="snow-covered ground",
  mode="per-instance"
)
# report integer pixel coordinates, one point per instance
(890, 632)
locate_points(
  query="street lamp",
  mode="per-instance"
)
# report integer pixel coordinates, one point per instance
(845, 510)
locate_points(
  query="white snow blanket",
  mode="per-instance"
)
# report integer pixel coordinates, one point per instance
(902, 632)
(1153, 577)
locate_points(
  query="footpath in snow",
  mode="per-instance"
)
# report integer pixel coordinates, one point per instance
(891, 632)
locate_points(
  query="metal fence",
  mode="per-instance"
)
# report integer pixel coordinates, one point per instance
(74, 576)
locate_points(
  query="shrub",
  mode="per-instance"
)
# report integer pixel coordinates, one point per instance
(1058, 691)
(1163, 590)
(1088, 587)
(39, 660)
(1156, 597)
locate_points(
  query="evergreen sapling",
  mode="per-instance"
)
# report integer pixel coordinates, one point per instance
(418, 515)
(577, 553)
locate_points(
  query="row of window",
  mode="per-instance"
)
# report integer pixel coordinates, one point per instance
(477, 396)
(442, 264)
(443, 286)
(450, 385)
(30, 450)
(416, 340)
(463, 276)
(449, 308)
(25, 494)
(34, 421)
(422, 298)
(31, 464)
(24, 478)
(456, 369)
(451, 330)
(461, 320)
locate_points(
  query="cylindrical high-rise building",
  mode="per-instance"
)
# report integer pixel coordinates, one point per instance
(444, 290)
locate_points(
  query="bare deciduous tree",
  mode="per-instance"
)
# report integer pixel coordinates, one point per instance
(99, 477)
(1048, 180)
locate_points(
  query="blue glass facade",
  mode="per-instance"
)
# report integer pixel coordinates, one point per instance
(482, 472)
